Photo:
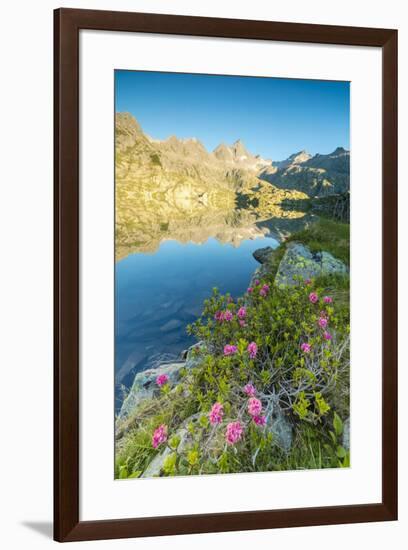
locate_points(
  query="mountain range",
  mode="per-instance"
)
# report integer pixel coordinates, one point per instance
(317, 175)
(175, 188)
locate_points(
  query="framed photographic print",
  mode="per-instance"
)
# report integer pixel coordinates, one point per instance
(225, 274)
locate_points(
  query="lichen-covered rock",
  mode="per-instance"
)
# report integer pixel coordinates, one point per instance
(261, 255)
(299, 261)
(144, 384)
(280, 426)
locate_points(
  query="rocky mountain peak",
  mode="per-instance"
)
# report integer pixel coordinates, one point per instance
(126, 124)
(339, 151)
(298, 158)
(223, 152)
(239, 151)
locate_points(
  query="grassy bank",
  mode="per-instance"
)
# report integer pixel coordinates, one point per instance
(326, 234)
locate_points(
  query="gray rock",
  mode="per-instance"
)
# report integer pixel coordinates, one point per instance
(299, 261)
(346, 434)
(261, 255)
(156, 465)
(144, 385)
(281, 428)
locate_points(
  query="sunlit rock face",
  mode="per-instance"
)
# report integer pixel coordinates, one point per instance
(176, 189)
(317, 176)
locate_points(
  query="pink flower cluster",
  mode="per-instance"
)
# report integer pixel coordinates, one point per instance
(221, 316)
(252, 350)
(264, 290)
(313, 297)
(259, 420)
(159, 436)
(327, 299)
(162, 379)
(255, 409)
(242, 313)
(216, 414)
(228, 315)
(230, 349)
(322, 322)
(234, 432)
(250, 290)
(305, 347)
(254, 406)
(250, 390)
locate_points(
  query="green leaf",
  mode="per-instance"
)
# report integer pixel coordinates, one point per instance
(174, 442)
(123, 472)
(192, 457)
(341, 451)
(337, 424)
(333, 436)
(138, 473)
(204, 422)
(169, 464)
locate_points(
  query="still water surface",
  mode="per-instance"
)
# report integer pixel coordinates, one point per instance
(158, 294)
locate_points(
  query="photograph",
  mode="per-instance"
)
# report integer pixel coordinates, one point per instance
(232, 278)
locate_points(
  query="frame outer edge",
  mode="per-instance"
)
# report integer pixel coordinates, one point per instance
(390, 275)
(66, 288)
(67, 23)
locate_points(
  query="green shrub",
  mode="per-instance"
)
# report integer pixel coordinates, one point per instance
(290, 345)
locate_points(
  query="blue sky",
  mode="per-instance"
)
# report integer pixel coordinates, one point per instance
(274, 117)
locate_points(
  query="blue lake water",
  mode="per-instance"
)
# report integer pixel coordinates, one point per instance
(157, 295)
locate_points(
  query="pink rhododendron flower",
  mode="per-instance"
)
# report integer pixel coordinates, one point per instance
(327, 335)
(242, 323)
(250, 390)
(322, 322)
(254, 406)
(305, 347)
(234, 432)
(327, 299)
(259, 420)
(252, 350)
(230, 350)
(264, 290)
(250, 290)
(228, 315)
(216, 413)
(159, 436)
(313, 297)
(241, 313)
(256, 282)
(219, 316)
(162, 379)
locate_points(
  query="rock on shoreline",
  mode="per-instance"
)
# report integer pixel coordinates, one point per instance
(144, 384)
(298, 261)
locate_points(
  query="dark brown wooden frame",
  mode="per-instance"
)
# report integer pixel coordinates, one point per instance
(67, 24)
